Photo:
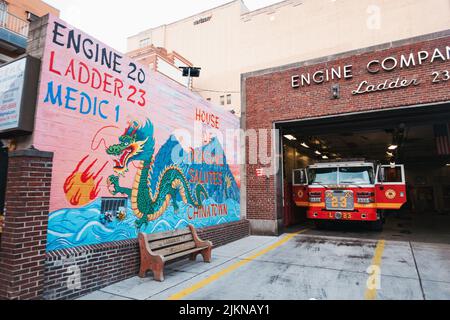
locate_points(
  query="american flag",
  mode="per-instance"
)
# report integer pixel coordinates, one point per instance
(442, 138)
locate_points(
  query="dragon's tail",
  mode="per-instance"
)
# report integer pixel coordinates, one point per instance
(186, 195)
(199, 192)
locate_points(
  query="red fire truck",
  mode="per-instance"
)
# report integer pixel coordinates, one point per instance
(354, 190)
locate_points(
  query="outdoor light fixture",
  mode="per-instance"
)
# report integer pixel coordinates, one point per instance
(290, 137)
(190, 72)
(393, 147)
(335, 91)
(305, 145)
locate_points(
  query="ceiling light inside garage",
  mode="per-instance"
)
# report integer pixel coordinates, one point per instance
(393, 147)
(318, 153)
(305, 145)
(290, 137)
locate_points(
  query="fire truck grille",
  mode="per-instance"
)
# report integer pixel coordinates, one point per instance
(340, 200)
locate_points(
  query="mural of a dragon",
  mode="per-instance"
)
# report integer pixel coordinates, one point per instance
(137, 144)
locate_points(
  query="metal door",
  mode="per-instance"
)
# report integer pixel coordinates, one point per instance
(390, 187)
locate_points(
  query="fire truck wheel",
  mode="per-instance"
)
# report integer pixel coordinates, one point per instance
(377, 225)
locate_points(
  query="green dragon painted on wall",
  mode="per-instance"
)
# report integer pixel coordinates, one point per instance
(137, 144)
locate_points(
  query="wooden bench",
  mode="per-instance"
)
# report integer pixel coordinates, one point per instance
(157, 249)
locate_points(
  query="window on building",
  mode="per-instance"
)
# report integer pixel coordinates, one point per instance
(31, 16)
(144, 42)
(228, 98)
(222, 100)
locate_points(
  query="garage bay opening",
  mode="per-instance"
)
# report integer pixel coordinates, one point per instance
(367, 172)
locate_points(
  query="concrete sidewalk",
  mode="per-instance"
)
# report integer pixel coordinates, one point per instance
(303, 267)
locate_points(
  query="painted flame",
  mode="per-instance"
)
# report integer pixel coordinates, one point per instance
(81, 187)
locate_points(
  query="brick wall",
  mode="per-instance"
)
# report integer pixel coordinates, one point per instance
(269, 97)
(223, 234)
(101, 265)
(96, 267)
(24, 238)
(20, 8)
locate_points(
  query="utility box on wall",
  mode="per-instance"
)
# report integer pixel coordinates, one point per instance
(18, 93)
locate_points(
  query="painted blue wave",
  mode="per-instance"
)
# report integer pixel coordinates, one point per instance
(68, 228)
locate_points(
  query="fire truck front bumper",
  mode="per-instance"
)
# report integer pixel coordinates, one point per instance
(356, 215)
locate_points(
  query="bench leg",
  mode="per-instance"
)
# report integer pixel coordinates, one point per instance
(158, 272)
(142, 271)
(207, 255)
(193, 256)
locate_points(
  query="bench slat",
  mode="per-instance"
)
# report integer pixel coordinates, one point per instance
(175, 249)
(184, 253)
(155, 245)
(168, 234)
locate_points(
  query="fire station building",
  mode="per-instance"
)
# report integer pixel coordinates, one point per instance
(389, 103)
(74, 195)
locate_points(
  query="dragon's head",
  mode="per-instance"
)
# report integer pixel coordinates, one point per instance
(135, 144)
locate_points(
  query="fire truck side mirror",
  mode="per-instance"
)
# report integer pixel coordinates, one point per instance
(302, 177)
(382, 174)
(299, 177)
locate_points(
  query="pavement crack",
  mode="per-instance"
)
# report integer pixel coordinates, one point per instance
(117, 295)
(417, 270)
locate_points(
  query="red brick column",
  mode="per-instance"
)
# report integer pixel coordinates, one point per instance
(24, 239)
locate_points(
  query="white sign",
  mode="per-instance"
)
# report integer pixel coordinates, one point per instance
(11, 88)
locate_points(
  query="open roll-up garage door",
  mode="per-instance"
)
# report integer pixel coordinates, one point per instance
(416, 137)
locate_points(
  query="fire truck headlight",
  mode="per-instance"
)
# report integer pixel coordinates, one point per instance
(366, 197)
(315, 197)
(365, 200)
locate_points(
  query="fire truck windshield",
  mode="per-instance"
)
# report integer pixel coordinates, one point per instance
(323, 176)
(348, 175)
(356, 175)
